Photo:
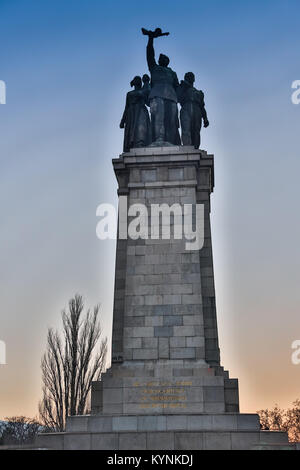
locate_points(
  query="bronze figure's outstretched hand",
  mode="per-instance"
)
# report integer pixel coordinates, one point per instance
(154, 34)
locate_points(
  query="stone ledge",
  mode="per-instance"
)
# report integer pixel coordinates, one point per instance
(170, 149)
(165, 440)
(163, 184)
(167, 422)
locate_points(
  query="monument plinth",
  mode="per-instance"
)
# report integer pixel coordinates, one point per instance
(166, 388)
(165, 353)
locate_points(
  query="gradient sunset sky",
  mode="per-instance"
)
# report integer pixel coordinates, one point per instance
(67, 65)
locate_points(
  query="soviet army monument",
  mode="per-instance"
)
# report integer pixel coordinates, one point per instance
(166, 388)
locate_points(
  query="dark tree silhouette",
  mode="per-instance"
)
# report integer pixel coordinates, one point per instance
(293, 421)
(278, 419)
(19, 430)
(273, 420)
(70, 364)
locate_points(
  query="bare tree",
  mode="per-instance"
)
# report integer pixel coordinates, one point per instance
(19, 430)
(70, 364)
(293, 421)
(278, 419)
(272, 419)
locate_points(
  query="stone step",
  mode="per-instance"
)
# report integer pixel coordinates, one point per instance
(193, 422)
(289, 446)
(169, 368)
(158, 440)
(205, 380)
(270, 437)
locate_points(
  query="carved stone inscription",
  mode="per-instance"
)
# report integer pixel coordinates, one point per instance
(167, 394)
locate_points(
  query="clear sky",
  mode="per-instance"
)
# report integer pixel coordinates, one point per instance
(67, 65)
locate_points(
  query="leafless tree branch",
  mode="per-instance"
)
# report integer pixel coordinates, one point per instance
(69, 365)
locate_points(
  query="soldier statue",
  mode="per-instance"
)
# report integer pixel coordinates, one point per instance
(162, 97)
(135, 118)
(192, 111)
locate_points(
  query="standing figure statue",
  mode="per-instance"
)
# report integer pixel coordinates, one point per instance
(163, 97)
(135, 118)
(192, 111)
(146, 84)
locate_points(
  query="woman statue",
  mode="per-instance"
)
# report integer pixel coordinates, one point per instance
(136, 117)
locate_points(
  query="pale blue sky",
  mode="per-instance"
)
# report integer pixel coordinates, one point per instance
(67, 66)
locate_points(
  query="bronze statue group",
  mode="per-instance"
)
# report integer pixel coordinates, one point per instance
(162, 93)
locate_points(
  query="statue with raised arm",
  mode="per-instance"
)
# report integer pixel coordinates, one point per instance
(192, 111)
(162, 97)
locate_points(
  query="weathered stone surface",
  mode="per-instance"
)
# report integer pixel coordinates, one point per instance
(176, 422)
(273, 437)
(163, 331)
(188, 440)
(124, 423)
(182, 353)
(247, 422)
(100, 424)
(213, 394)
(178, 342)
(216, 440)
(77, 423)
(214, 407)
(152, 423)
(160, 441)
(244, 440)
(76, 441)
(163, 348)
(132, 441)
(112, 395)
(102, 440)
(153, 434)
(145, 354)
(50, 441)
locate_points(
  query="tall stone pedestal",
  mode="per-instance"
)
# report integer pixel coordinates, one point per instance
(166, 388)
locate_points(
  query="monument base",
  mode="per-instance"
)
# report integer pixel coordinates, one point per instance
(157, 406)
(166, 389)
(230, 431)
